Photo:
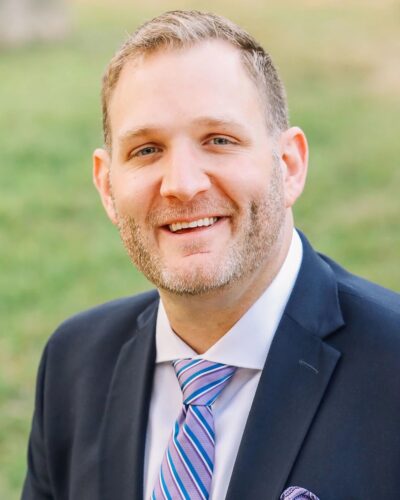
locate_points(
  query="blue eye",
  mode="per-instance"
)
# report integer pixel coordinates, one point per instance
(220, 141)
(148, 150)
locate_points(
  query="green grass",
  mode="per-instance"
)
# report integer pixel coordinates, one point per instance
(59, 254)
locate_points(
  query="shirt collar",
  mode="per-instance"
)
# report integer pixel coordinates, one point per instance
(259, 323)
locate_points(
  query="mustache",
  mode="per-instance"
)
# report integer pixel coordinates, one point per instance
(163, 215)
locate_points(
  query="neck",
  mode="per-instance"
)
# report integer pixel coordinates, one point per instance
(200, 321)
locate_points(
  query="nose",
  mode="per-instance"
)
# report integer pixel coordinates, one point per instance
(184, 176)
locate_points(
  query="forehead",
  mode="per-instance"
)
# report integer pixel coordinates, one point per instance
(174, 85)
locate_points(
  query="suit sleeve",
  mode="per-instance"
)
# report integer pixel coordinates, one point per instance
(37, 481)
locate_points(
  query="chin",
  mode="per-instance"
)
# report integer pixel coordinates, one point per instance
(196, 280)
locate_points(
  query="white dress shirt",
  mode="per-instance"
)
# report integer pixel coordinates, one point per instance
(245, 345)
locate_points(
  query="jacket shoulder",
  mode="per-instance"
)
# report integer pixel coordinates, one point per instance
(113, 321)
(367, 299)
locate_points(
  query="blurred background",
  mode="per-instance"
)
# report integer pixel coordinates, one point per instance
(58, 252)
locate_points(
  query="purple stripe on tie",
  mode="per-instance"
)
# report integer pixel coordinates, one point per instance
(205, 380)
(205, 426)
(194, 454)
(200, 431)
(185, 366)
(175, 474)
(193, 463)
(185, 372)
(164, 491)
(207, 370)
(206, 395)
(202, 450)
(183, 471)
(169, 480)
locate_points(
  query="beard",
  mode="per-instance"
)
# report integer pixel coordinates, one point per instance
(257, 228)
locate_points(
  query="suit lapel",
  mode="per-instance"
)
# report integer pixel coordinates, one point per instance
(123, 435)
(296, 375)
(291, 387)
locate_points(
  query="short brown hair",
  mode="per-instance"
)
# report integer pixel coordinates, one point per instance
(179, 29)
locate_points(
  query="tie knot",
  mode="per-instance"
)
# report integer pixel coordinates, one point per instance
(202, 381)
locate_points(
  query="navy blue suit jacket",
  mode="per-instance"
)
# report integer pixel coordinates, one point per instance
(326, 415)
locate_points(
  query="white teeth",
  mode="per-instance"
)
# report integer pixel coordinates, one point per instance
(207, 221)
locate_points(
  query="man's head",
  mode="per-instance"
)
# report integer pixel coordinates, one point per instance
(197, 173)
(184, 29)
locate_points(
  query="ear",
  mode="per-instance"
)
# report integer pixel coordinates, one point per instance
(101, 179)
(294, 158)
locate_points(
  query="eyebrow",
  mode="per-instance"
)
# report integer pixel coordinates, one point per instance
(137, 132)
(203, 121)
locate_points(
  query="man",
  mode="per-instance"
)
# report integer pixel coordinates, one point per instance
(287, 366)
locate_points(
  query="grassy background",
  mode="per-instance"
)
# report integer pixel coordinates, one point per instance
(59, 254)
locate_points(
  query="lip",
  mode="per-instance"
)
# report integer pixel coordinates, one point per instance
(194, 230)
(191, 219)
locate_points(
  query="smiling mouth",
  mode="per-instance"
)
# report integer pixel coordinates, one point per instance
(177, 227)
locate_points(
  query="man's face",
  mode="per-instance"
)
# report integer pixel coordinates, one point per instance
(197, 192)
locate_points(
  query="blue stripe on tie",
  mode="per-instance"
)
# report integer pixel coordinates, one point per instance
(200, 372)
(204, 421)
(193, 362)
(164, 488)
(153, 496)
(189, 463)
(211, 401)
(179, 361)
(206, 388)
(199, 447)
(176, 476)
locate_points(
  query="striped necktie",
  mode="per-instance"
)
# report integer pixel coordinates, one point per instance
(187, 467)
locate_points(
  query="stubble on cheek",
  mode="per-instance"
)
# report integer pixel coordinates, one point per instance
(137, 248)
(267, 220)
